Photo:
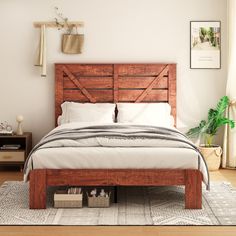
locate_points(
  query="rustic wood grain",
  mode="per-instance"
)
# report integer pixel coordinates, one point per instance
(37, 189)
(78, 84)
(89, 69)
(123, 82)
(59, 78)
(115, 83)
(151, 85)
(142, 82)
(39, 179)
(108, 95)
(140, 69)
(90, 82)
(114, 177)
(99, 95)
(153, 96)
(193, 189)
(172, 90)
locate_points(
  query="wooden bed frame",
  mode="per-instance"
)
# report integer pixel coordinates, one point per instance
(115, 83)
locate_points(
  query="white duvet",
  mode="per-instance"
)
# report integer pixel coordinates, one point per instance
(114, 153)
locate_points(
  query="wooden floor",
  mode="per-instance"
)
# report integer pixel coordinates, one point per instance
(222, 175)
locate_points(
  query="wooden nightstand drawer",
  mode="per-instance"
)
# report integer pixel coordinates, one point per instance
(12, 156)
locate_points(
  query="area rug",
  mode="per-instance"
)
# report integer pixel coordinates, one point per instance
(136, 206)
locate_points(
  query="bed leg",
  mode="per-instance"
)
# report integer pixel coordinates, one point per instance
(193, 189)
(37, 189)
(115, 194)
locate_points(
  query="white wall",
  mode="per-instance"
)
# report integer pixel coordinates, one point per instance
(115, 31)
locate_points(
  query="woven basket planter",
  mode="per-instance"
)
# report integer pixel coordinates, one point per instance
(212, 156)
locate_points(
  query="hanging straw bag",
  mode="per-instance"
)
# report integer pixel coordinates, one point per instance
(72, 43)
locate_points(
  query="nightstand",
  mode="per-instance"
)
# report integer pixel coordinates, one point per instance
(15, 157)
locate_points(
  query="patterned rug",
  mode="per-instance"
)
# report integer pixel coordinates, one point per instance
(137, 206)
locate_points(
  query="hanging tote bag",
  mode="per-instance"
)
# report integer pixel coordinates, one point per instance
(72, 43)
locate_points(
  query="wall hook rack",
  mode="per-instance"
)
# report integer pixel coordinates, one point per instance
(53, 24)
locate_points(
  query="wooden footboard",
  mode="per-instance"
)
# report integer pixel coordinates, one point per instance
(41, 179)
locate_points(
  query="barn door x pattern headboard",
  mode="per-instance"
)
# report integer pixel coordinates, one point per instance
(97, 83)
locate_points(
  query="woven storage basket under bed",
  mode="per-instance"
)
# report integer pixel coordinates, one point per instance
(64, 200)
(97, 202)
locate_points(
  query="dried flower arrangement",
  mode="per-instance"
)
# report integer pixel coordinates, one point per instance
(62, 22)
(72, 42)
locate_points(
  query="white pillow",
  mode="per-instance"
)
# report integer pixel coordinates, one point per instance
(59, 120)
(158, 114)
(87, 112)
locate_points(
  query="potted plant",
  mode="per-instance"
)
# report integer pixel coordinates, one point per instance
(208, 129)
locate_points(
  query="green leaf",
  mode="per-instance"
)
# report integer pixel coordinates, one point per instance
(222, 105)
(224, 121)
(216, 119)
(195, 132)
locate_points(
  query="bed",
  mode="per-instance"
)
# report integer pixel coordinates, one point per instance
(116, 83)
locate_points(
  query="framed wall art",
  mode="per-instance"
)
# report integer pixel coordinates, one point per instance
(205, 45)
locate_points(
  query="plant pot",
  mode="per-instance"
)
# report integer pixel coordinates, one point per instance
(212, 156)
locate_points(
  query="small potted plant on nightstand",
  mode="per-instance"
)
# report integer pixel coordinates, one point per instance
(209, 128)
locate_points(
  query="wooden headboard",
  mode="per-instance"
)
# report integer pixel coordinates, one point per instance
(97, 83)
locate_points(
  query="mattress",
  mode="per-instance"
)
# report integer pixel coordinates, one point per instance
(116, 158)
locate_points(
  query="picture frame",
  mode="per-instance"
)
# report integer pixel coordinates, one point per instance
(205, 44)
